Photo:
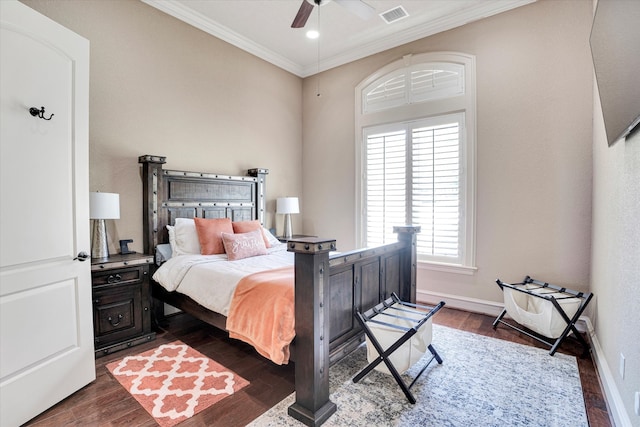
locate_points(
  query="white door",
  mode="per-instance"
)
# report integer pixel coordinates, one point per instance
(46, 331)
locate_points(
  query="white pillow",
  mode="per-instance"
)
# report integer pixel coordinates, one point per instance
(172, 238)
(164, 251)
(273, 240)
(185, 237)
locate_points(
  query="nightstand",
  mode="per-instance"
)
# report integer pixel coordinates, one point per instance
(121, 302)
(295, 236)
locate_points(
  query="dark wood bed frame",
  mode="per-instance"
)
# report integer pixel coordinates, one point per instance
(329, 288)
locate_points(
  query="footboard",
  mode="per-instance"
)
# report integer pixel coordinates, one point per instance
(328, 290)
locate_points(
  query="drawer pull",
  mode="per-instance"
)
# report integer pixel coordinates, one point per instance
(114, 279)
(115, 323)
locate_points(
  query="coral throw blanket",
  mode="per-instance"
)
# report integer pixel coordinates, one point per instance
(262, 312)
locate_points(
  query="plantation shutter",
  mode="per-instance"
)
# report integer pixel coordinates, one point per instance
(435, 81)
(423, 82)
(386, 185)
(413, 176)
(389, 92)
(436, 189)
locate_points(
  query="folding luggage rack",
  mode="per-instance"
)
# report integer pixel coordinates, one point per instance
(545, 310)
(405, 321)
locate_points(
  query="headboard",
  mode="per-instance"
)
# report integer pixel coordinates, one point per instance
(171, 194)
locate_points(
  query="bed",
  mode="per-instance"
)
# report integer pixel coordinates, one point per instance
(329, 285)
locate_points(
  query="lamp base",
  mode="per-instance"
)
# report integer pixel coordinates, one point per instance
(287, 226)
(99, 243)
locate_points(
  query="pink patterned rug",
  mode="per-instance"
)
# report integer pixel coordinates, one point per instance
(173, 382)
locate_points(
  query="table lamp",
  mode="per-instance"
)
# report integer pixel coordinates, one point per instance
(287, 206)
(102, 206)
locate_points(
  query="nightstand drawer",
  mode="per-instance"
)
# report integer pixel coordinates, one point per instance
(117, 315)
(118, 277)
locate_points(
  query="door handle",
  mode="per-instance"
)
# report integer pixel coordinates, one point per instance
(82, 256)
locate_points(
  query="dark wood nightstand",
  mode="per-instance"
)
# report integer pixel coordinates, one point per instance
(121, 302)
(295, 236)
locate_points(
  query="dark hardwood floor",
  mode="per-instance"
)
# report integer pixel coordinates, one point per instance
(105, 402)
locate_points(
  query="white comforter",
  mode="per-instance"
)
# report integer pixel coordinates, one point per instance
(211, 280)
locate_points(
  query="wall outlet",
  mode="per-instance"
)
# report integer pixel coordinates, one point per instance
(637, 403)
(621, 366)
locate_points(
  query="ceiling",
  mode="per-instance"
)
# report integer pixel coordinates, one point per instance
(263, 27)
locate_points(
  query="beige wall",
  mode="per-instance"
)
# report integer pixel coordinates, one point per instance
(160, 86)
(534, 112)
(615, 270)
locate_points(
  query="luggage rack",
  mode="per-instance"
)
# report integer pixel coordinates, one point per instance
(405, 321)
(549, 312)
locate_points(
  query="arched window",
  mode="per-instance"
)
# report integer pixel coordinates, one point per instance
(415, 136)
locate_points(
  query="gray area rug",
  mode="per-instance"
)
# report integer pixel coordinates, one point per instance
(483, 381)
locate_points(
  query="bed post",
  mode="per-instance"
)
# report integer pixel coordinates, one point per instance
(151, 191)
(409, 261)
(261, 190)
(312, 406)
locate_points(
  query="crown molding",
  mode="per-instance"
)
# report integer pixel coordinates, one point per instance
(417, 32)
(390, 40)
(200, 21)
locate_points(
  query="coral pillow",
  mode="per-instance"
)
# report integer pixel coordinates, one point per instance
(244, 245)
(246, 226)
(210, 234)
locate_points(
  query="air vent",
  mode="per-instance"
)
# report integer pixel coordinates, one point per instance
(393, 15)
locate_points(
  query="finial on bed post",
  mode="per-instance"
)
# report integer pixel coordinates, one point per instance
(312, 406)
(151, 188)
(409, 234)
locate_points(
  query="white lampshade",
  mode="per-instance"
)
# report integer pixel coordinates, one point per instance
(287, 205)
(104, 206)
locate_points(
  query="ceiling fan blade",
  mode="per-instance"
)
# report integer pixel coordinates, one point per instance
(303, 14)
(357, 7)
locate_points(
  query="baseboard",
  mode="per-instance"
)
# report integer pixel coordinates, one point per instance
(615, 406)
(490, 308)
(475, 305)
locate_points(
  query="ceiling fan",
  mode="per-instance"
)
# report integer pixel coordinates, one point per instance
(357, 7)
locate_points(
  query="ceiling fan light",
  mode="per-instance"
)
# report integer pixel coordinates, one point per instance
(313, 34)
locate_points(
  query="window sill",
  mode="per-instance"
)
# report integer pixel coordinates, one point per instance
(447, 268)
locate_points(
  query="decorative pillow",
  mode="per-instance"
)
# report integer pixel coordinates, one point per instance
(246, 226)
(185, 238)
(209, 234)
(244, 245)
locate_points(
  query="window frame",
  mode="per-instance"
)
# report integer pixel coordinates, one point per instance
(464, 103)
